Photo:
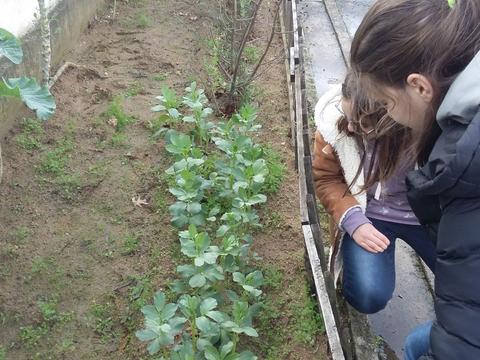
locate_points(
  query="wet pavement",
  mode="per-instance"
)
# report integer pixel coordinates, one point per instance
(412, 303)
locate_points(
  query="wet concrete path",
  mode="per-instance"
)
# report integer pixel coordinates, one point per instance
(412, 303)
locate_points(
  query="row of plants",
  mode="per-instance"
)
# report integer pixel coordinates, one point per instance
(218, 177)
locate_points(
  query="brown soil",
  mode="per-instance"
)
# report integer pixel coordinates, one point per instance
(70, 233)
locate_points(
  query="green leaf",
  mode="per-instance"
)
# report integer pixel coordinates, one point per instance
(217, 316)
(452, 3)
(37, 98)
(254, 278)
(238, 277)
(226, 349)
(197, 281)
(211, 353)
(10, 47)
(207, 305)
(146, 335)
(154, 347)
(247, 355)
(169, 311)
(249, 331)
(159, 300)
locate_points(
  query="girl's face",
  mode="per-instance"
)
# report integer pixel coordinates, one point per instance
(411, 105)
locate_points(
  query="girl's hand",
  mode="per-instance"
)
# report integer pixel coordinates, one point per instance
(370, 238)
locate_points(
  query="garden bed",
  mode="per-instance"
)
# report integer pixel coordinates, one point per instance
(85, 234)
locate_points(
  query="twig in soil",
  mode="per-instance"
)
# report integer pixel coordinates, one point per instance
(69, 64)
(127, 284)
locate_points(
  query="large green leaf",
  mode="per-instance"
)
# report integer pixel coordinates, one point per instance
(10, 47)
(36, 97)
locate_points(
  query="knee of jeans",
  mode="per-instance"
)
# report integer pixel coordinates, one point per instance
(369, 300)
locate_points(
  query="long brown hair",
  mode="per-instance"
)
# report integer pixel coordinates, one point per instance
(399, 37)
(387, 136)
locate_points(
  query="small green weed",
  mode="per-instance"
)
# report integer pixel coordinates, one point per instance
(54, 162)
(115, 111)
(160, 77)
(251, 54)
(159, 202)
(29, 139)
(49, 311)
(102, 317)
(308, 321)
(134, 89)
(31, 335)
(212, 65)
(3, 353)
(20, 234)
(119, 140)
(275, 170)
(40, 264)
(143, 21)
(130, 245)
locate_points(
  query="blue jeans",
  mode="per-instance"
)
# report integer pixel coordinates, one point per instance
(368, 278)
(417, 343)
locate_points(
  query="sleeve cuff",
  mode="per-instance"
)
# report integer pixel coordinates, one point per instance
(353, 219)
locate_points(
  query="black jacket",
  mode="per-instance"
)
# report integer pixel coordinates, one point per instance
(451, 180)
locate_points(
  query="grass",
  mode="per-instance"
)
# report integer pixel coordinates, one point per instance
(33, 335)
(212, 65)
(251, 54)
(40, 264)
(3, 353)
(134, 89)
(159, 202)
(115, 111)
(54, 162)
(282, 301)
(20, 234)
(130, 245)
(160, 77)
(276, 169)
(102, 317)
(142, 21)
(30, 137)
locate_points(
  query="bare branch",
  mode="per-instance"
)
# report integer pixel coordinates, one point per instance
(269, 44)
(246, 34)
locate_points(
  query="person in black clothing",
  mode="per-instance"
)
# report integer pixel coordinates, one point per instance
(421, 59)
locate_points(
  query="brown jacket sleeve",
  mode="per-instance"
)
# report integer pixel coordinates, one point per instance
(330, 186)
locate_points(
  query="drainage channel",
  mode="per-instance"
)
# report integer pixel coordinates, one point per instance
(327, 28)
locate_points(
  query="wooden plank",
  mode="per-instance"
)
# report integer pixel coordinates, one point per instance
(307, 163)
(300, 148)
(318, 239)
(292, 65)
(322, 296)
(289, 78)
(296, 44)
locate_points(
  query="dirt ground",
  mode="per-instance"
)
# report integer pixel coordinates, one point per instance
(78, 259)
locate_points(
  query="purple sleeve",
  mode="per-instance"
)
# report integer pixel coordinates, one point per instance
(354, 218)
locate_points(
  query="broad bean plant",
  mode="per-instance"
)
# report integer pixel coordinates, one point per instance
(218, 290)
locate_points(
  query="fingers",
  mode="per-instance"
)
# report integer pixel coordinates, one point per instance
(381, 237)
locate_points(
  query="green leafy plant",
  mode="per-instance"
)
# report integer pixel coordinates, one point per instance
(218, 178)
(36, 97)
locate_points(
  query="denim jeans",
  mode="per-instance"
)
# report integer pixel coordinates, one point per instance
(368, 278)
(417, 343)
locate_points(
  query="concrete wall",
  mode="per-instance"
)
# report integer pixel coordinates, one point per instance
(69, 18)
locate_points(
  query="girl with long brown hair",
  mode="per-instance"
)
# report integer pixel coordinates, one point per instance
(359, 173)
(421, 59)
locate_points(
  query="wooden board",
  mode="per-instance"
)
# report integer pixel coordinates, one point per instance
(322, 296)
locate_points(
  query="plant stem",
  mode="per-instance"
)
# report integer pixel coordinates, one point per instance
(46, 45)
(269, 44)
(246, 34)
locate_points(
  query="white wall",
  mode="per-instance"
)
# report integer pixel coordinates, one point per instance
(17, 16)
